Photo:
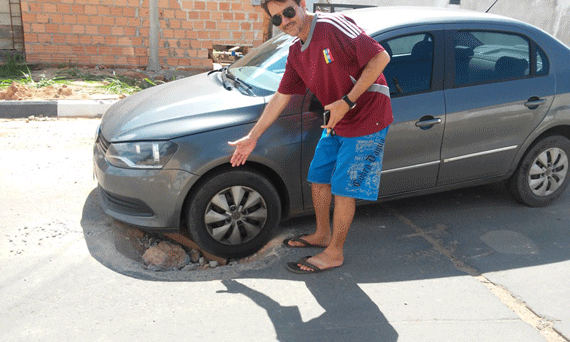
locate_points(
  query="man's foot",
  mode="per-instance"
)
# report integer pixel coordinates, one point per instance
(306, 240)
(318, 263)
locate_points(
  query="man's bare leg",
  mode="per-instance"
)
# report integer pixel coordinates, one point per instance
(333, 255)
(322, 203)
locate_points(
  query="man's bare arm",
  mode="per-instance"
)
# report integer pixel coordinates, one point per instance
(246, 145)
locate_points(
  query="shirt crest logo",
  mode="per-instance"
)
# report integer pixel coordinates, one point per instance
(328, 56)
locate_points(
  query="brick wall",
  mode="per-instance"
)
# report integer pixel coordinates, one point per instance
(94, 32)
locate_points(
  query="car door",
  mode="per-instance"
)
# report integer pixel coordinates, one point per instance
(497, 91)
(415, 77)
(413, 144)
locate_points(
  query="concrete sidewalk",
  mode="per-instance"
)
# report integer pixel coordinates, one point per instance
(54, 108)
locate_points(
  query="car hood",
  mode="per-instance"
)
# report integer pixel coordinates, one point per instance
(187, 106)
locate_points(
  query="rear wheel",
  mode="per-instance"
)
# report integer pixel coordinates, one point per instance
(234, 214)
(542, 174)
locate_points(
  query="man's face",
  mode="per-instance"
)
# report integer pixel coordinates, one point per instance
(291, 26)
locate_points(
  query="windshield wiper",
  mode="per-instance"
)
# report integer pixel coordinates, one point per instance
(224, 72)
(246, 86)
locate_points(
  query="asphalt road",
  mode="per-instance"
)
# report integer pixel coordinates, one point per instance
(468, 265)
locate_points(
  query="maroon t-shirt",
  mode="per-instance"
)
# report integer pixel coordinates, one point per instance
(329, 63)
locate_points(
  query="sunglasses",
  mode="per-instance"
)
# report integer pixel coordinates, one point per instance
(289, 12)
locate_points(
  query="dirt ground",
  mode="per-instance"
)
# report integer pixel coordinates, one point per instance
(77, 89)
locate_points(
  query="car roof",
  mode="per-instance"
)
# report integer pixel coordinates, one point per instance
(377, 19)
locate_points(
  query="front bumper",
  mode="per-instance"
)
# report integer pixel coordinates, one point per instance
(152, 199)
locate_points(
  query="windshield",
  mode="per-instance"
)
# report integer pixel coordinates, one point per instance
(264, 66)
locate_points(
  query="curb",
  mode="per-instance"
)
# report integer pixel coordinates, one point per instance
(54, 108)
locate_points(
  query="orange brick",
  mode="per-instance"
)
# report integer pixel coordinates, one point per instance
(116, 11)
(224, 6)
(239, 16)
(246, 26)
(72, 39)
(29, 17)
(99, 40)
(63, 8)
(130, 31)
(50, 8)
(57, 18)
(91, 30)
(42, 18)
(121, 3)
(37, 28)
(44, 38)
(91, 10)
(85, 40)
(59, 39)
(204, 15)
(96, 20)
(103, 10)
(199, 5)
(212, 6)
(70, 19)
(109, 21)
(211, 25)
(121, 21)
(129, 12)
(91, 50)
(64, 29)
(104, 30)
(228, 15)
(83, 19)
(78, 29)
(52, 28)
(117, 31)
(77, 9)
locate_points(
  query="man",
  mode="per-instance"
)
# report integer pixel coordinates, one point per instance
(343, 67)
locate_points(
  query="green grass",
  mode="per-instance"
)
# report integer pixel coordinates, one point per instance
(14, 70)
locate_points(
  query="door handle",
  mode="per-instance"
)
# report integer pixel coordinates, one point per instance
(534, 102)
(427, 122)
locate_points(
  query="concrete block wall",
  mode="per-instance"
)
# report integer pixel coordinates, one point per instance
(116, 32)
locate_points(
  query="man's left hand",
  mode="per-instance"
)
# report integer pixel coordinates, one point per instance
(338, 110)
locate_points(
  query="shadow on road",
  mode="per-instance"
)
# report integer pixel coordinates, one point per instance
(413, 239)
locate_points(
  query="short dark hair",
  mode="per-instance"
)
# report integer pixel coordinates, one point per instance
(265, 2)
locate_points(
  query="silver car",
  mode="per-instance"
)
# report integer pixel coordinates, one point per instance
(477, 98)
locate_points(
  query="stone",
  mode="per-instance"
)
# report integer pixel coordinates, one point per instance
(166, 255)
(214, 264)
(195, 255)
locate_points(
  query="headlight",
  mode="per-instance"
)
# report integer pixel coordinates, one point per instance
(141, 155)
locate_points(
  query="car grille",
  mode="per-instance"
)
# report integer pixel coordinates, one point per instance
(126, 205)
(102, 143)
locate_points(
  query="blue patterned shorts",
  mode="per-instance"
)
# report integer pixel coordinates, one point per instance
(351, 165)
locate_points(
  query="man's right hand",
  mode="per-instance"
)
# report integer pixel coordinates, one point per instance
(244, 147)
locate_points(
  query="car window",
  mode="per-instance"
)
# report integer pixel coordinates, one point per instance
(484, 57)
(542, 65)
(263, 67)
(411, 65)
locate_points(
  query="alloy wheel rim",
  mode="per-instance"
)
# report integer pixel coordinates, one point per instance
(548, 172)
(235, 215)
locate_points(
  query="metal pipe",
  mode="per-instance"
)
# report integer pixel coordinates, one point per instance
(153, 63)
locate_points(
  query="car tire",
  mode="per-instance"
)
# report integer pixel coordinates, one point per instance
(234, 213)
(542, 175)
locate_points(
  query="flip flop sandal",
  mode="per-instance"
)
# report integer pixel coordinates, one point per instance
(300, 239)
(294, 267)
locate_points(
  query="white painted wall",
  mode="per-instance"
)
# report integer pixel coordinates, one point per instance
(553, 16)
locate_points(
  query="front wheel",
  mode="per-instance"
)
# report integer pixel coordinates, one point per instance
(542, 174)
(234, 213)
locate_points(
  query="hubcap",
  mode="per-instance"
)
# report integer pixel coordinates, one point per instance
(548, 172)
(235, 215)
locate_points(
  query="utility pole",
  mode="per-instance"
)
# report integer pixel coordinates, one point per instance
(153, 63)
